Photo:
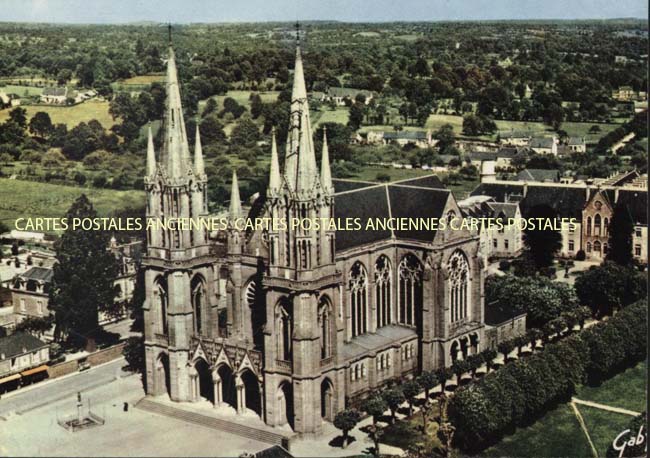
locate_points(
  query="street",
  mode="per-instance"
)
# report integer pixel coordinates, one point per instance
(49, 391)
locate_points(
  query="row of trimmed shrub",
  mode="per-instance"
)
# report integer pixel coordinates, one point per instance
(523, 390)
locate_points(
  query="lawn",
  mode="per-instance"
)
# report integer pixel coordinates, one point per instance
(573, 129)
(558, 433)
(142, 79)
(340, 116)
(22, 91)
(72, 115)
(24, 199)
(242, 97)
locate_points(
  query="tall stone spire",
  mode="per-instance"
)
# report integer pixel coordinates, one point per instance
(176, 148)
(275, 181)
(151, 155)
(301, 172)
(325, 170)
(199, 168)
(235, 201)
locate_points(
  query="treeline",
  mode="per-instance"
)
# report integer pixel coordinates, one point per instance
(523, 390)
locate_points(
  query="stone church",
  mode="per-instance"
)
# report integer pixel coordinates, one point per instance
(295, 325)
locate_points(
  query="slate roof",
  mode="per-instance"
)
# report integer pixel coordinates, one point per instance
(349, 185)
(511, 152)
(494, 316)
(637, 202)
(406, 135)
(417, 198)
(497, 190)
(55, 91)
(38, 274)
(544, 142)
(384, 336)
(577, 141)
(426, 181)
(539, 175)
(568, 202)
(274, 452)
(14, 344)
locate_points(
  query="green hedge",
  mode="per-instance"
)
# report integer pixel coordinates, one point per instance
(522, 391)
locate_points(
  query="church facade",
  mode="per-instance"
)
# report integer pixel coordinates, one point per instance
(295, 325)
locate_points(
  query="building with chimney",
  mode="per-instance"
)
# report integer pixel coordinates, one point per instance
(299, 323)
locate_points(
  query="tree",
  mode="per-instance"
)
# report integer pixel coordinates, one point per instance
(542, 243)
(19, 117)
(346, 420)
(133, 352)
(375, 406)
(374, 433)
(443, 374)
(35, 325)
(83, 278)
(411, 389)
(356, 115)
(506, 348)
(245, 133)
(445, 136)
(41, 124)
(394, 398)
(428, 381)
(488, 356)
(6, 158)
(609, 287)
(211, 129)
(620, 229)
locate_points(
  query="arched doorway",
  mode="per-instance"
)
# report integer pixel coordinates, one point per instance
(285, 404)
(162, 374)
(326, 400)
(228, 390)
(454, 351)
(252, 390)
(204, 375)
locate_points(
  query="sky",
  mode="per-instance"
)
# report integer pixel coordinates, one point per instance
(186, 11)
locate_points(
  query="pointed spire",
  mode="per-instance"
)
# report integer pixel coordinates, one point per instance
(325, 170)
(151, 155)
(301, 171)
(299, 89)
(198, 154)
(235, 201)
(274, 175)
(177, 151)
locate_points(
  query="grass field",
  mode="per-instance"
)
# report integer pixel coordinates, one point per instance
(558, 433)
(573, 129)
(22, 91)
(142, 79)
(71, 116)
(24, 199)
(340, 116)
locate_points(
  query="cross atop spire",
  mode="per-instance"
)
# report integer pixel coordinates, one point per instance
(169, 31)
(297, 33)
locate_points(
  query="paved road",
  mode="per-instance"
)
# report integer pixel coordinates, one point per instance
(53, 390)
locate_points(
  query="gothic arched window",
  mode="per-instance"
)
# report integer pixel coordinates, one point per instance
(383, 282)
(359, 299)
(597, 246)
(198, 300)
(284, 325)
(160, 300)
(597, 225)
(325, 326)
(588, 225)
(458, 285)
(410, 289)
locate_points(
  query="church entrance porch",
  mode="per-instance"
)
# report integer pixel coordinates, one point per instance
(202, 384)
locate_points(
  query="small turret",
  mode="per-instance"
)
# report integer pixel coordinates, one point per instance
(151, 155)
(325, 170)
(199, 167)
(235, 201)
(275, 180)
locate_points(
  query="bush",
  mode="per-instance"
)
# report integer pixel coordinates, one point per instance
(382, 177)
(504, 265)
(525, 389)
(581, 255)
